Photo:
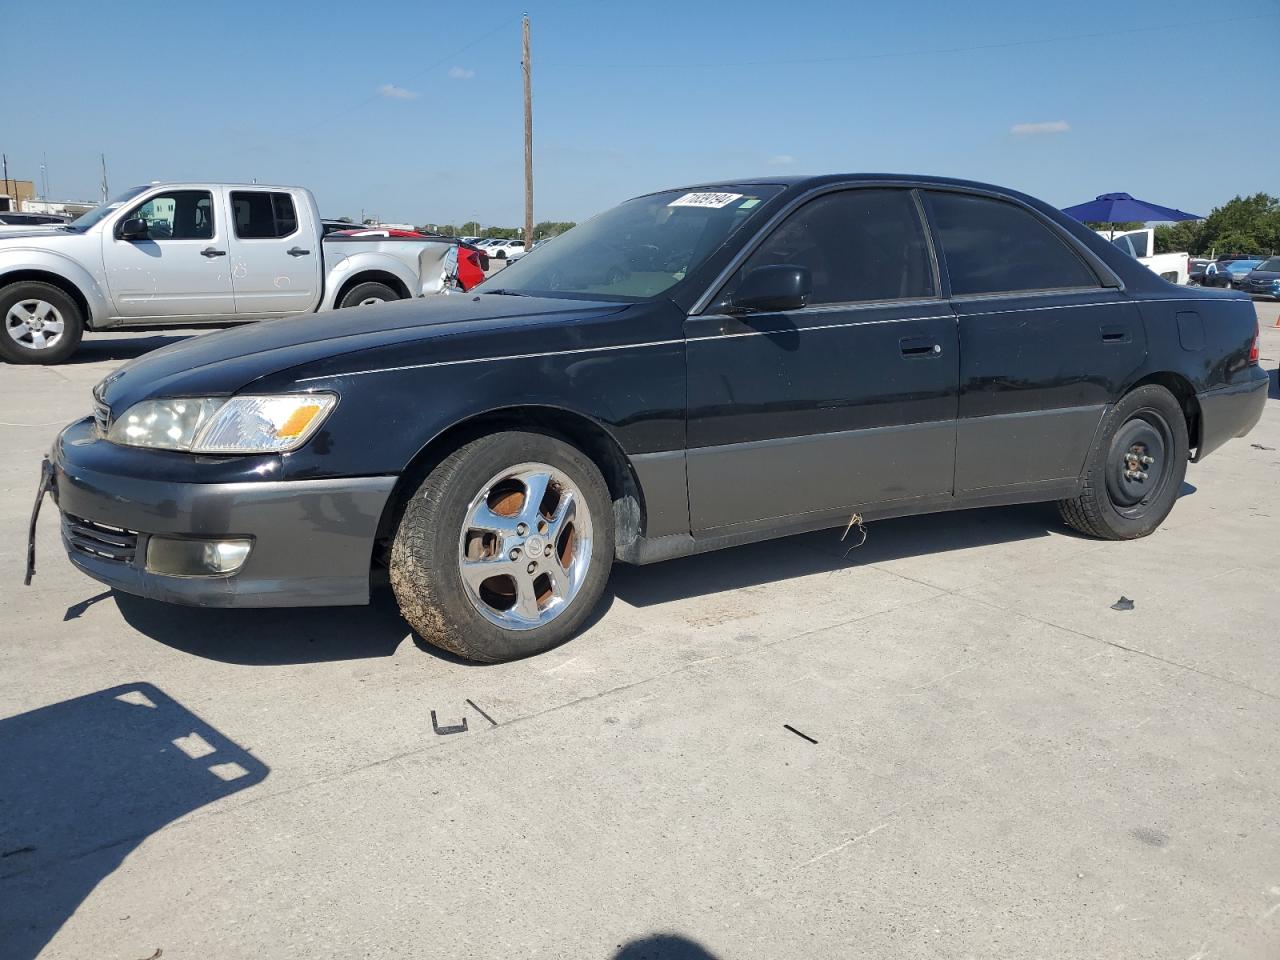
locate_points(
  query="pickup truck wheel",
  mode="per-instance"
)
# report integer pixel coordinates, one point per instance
(367, 294)
(1135, 469)
(41, 324)
(505, 549)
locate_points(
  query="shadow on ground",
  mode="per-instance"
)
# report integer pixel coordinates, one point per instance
(271, 636)
(85, 781)
(822, 552)
(103, 347)
(663, 946)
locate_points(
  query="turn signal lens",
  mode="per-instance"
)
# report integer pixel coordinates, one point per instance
(1254, 351)
(269, 424)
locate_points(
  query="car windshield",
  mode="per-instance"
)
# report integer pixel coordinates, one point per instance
(637, 250)
(87, 220)
(1270, 266)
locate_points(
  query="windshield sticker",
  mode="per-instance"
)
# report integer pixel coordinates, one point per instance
(713, 200)
(748, 203)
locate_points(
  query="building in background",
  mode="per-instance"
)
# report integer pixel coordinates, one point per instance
(14, 193)
(65, 208)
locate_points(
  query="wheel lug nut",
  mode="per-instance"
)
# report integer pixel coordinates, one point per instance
(515, 554)
(521, 529)
(547, 552)
(532, 567)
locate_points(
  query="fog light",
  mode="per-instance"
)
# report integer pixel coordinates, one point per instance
(196, 558)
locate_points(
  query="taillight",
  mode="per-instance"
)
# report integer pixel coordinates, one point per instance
(1253, 350)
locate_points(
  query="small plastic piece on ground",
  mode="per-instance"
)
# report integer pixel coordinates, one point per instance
(1258, 446)
(1124, 603)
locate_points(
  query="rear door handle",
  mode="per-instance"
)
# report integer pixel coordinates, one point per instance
(297, 252)
(211, 253)
(1113, 334)
(915, 348)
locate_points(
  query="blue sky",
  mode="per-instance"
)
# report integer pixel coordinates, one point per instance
(412, 111)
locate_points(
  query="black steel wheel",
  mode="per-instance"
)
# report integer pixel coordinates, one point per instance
(1135, 469)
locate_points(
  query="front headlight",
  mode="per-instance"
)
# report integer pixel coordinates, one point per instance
(262, 424)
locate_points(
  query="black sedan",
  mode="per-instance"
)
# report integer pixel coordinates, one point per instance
(693, 369)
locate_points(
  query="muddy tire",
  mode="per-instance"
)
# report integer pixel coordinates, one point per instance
(1135, 469)
(505, 548)
(39, 323)
(368, 294)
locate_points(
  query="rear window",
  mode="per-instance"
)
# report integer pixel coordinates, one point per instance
(1270, 266)
(991, 246)
(263, 215)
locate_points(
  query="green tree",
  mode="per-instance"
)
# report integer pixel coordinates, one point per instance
(1183, 236)
(1117, 227)
(1242, 225)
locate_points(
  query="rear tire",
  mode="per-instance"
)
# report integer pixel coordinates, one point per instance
(1144, 434)
(540, 582)
(39, 323)
(368, 294)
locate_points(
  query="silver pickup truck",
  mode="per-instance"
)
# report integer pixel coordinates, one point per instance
(183, 254)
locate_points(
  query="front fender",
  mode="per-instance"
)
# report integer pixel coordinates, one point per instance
(348, 266)
(18, 260)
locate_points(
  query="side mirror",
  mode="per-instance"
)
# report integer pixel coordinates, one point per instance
(783, 287)
(135, 228)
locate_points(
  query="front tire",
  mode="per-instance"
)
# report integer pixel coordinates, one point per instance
(367, 295)
(39, 323)
(505, 549)
(1135, 469)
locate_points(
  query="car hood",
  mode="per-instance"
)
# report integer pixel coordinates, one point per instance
(226, 361)
(1264, 275)
(11, 232)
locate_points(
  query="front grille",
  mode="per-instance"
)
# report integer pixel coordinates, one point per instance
(100, 539)
(101, 416)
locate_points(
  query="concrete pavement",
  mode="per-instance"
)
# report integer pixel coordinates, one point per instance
(1004, 767)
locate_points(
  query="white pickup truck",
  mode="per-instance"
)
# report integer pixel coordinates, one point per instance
(182, 254)
(1141, 245)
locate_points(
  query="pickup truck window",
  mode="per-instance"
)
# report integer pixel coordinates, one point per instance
(995, 247)
(858, 245)
(263, 215)
(178, 215)
(88, 219)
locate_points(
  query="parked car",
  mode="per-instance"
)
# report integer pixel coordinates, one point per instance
(1141, 245)
(693, 369)
(507, 249)
(1216, 274)
(1196, 267)
(336, 226)
(1264, 279)
(1231, 273)
(18, 218)
(192, 253)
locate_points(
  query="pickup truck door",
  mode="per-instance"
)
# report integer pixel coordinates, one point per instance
(180, 270)
(275, 252)
(848, 403)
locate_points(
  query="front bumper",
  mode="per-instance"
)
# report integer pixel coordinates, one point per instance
(312, 539)
(1231, 411)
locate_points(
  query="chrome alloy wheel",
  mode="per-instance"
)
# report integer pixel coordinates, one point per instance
(525, 546)
(35, 324)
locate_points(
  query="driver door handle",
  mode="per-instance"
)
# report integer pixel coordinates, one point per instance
(297, 252)
(211, 253)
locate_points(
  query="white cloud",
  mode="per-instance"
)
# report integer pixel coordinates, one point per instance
(1043, 126)
(782, 160)
(392, 92)
(461, 73)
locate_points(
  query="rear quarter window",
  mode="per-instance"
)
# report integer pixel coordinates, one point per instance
(992, 246)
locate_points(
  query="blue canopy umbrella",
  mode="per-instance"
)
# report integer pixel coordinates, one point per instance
(1122, 208)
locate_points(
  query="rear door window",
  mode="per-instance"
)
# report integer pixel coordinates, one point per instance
(263, 215)
(858, 246)
(991, 246)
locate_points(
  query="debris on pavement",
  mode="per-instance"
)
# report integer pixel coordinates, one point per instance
(1124, 603)
(804, 736)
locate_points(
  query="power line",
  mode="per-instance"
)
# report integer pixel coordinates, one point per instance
(937, 51)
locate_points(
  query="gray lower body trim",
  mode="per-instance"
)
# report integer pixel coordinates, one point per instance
(1010, 450)
(664, 486)
(743, 483)
(313, 539)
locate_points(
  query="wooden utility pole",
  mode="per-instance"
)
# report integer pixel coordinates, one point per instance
(528, 141)
(106, 193)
